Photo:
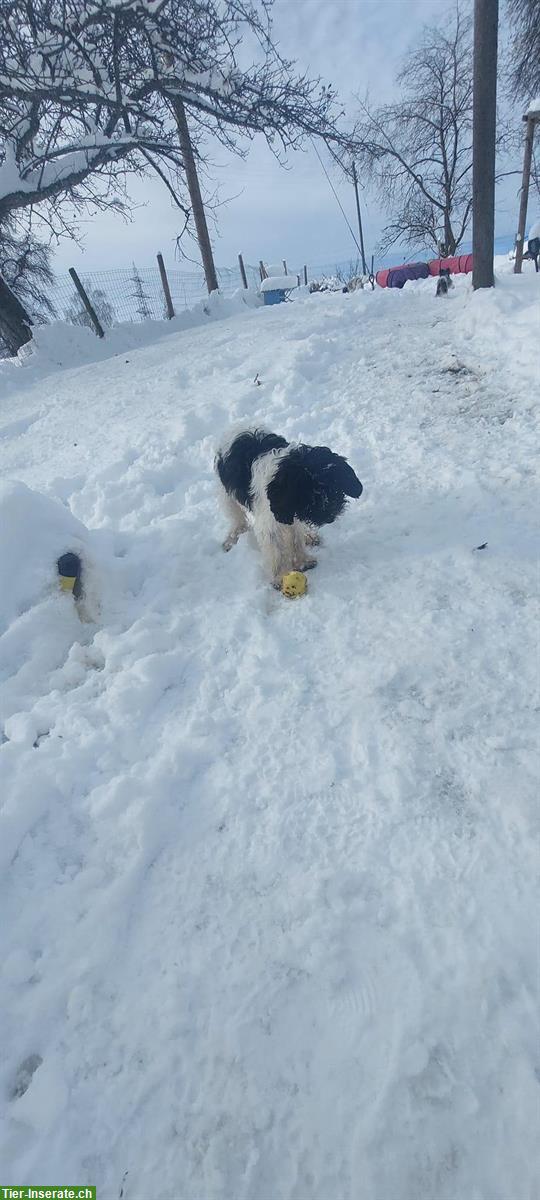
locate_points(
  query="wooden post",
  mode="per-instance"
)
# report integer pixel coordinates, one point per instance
(305, 276)
(486, 18)
(355, 181)
(524, 200)
(298, 280)
(262, 270)
(87, 303)
(285, 271)
(166, 288)
(242, 271)
(196, 198)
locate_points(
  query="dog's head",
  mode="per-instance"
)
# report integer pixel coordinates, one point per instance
(312, 484)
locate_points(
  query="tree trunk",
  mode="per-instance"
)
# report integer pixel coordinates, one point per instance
(196, 198)
(449, 236)
(449, 240)
(15, 324)
(486, 17)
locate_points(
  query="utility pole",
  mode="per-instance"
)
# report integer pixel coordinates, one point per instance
(486, 20)
(355, 181)
(195, 194)
(531, 119)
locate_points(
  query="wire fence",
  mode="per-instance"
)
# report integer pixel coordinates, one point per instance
(136, 293)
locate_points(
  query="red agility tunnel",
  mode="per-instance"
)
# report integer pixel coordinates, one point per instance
(397, 277)
(459, 264)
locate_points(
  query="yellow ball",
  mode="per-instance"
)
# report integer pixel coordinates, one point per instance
(294, 584)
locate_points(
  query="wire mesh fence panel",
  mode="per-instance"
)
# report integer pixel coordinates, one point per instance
(136, 293)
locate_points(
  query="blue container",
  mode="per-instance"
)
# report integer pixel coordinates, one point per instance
(276, 297)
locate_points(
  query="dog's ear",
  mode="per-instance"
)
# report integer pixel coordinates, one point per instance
(287, 491)
(345, 477)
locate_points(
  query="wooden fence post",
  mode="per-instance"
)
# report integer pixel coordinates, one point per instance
(262, 270)
(285, 266)
(242, 271)
(87, 304)
(165, 286)
(305, 276)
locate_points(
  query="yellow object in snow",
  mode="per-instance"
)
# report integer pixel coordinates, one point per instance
(67, 582)
(294, 584)
(69, 572)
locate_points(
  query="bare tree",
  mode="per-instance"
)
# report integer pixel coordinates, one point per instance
(77, 314)
(90, 92)
(26, 277)
(15, 322)
(88, 88)
(25, 265)
(418, 151)
(67, 115)
(524, 56)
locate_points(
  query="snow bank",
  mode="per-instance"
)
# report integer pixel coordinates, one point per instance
(39, 624)
(267, 867)
(34, 532)
(60, 344)
(276, 283)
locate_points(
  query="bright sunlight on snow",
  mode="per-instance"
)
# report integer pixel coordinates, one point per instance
(268, 865)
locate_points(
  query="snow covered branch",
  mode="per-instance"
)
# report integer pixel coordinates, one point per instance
(89, 86)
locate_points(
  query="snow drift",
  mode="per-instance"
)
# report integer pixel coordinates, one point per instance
(267, 890)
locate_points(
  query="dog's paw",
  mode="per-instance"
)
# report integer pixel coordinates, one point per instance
(308, 564)
(312, 539)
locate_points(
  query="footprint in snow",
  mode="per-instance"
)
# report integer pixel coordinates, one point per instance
(16, 428)
(23, 1076)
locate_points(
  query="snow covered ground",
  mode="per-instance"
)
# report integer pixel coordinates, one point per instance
(269, 911)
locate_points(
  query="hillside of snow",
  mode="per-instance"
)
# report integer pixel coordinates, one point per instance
(268, 866)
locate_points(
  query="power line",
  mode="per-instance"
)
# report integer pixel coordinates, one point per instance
(347, 222)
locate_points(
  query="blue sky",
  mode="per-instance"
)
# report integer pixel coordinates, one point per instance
(277, 213)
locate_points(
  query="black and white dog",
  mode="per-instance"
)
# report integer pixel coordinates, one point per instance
(289, 491)
(444, 282)
(533, 250)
